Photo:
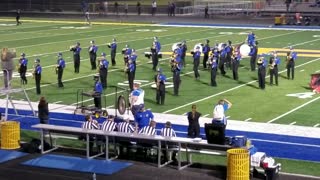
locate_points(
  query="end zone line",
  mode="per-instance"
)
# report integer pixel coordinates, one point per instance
(231, 89)
(301, 106)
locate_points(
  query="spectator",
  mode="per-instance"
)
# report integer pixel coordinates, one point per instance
(89, 124)
(84, 6)
(167, 131)
(125, 127)
(288, 3)
(154, 8)
(139, 8)
(169, 8)
(173, 9)
(43, 111)
(219, 111)
(105, 7)
(193, 118)
(109, 124)
(116, 8)
(149, 130)
(206, 12)
(126, 7)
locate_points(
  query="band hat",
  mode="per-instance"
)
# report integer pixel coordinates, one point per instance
(136, 82)
(103, 54)
(60, 54)
(37, 60)
(159, 70)
(78, 43)
(23, 54)
(92, 42)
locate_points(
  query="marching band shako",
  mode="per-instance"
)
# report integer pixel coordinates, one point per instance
(244, 50)
(200, 45)
(221, 46)
(176, 46)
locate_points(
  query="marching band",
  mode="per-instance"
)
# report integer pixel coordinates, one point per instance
(222, 56)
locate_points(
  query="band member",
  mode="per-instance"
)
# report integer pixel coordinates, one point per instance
(103, 70)
(37, 75)
(274, 62)
(184, 49)
(213, 68)
(59, 69)
(196, 62)
(93, 55)
(127, 51)
(160, 80)
(194, 126)
(97, 92)
(253, 56)
(176, 69)
(155, 49)
(136, 99)
(23, 63)
(205, 51)
(113, 47)
(76, 56)
(222, 60)
(133, 57)
(291, 58)
(262, 64)
(251, 39)
(177, 53)
(130, 70)
(235, 64)
(229, 50)
(18, 17)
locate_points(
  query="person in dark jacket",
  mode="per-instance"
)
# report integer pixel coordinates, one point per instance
(43, 111)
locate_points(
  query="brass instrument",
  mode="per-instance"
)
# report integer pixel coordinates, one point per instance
(289, 57)
(271, 63)
(158, 82)
(33, 71)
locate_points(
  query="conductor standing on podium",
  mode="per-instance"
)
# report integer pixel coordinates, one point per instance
(97, 91)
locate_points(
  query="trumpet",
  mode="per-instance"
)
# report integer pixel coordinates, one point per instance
(72, 47)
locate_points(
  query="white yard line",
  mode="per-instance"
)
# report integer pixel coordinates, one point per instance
(59, 29)
(294, 109)
(206, 115)
(289, 143)
(231, 89)
(124, 90)
(316, 125)
(57, 102)
(110, 106)
(228, 117)
(247, 119)
(293, 123)
(301, 70)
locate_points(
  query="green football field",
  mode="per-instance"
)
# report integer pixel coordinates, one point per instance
(41, 39)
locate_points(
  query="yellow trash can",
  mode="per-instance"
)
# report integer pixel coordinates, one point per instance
(238, 167)
(10, 135)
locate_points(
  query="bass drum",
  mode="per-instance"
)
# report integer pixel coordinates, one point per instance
(121, 105)
(244, 50)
